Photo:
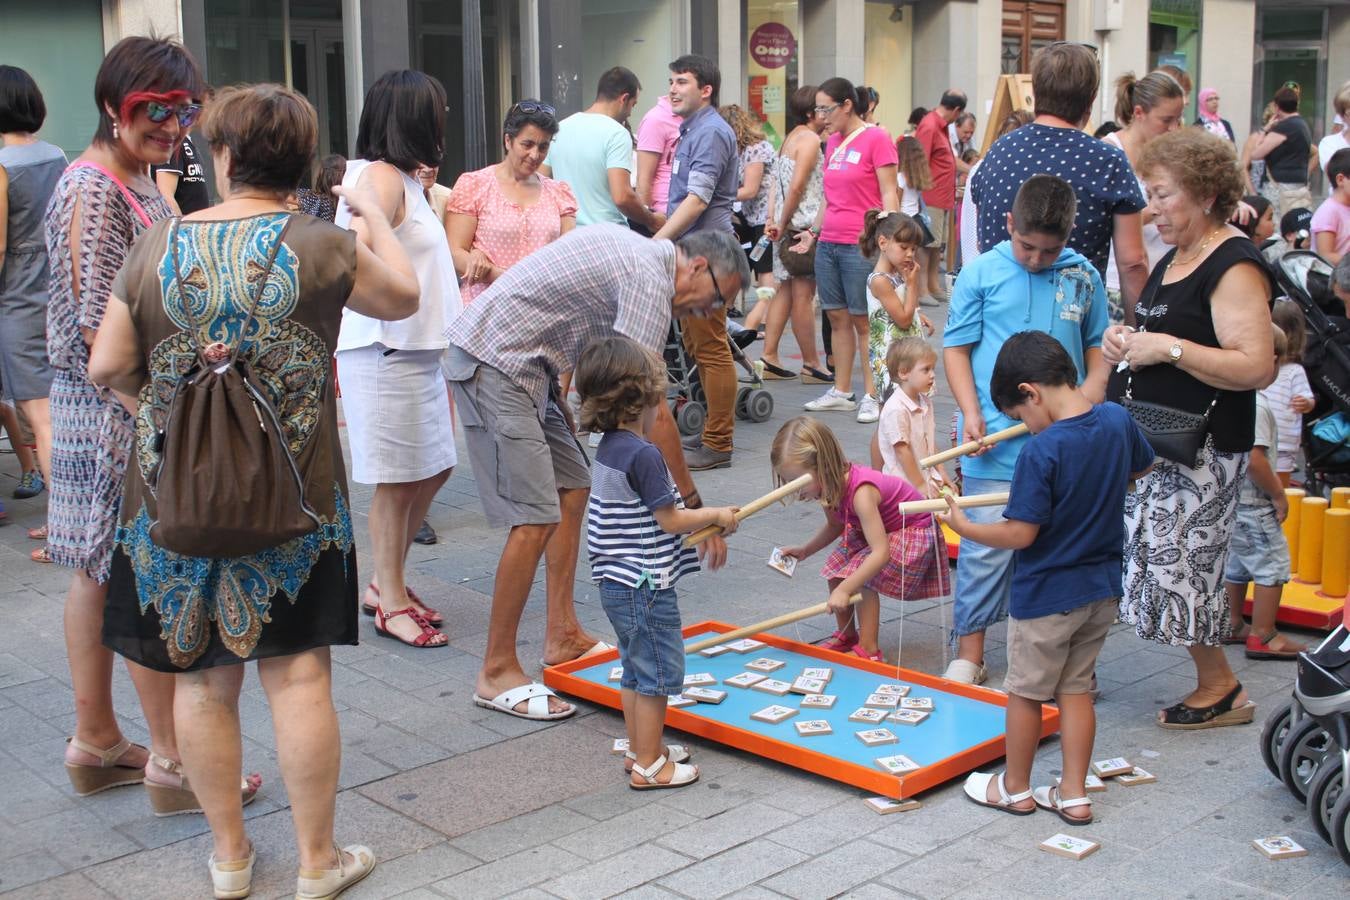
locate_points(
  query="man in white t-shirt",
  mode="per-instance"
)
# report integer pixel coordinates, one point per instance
(593, 153)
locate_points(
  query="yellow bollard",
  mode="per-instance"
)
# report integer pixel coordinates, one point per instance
(1291, 521)
(1310, 540)
(1336, 553)
(1340, 498)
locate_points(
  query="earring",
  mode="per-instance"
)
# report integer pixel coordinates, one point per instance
(115, 134)
(1206, 210)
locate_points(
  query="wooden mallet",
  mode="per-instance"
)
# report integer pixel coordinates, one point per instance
(751, 508)
(971, 446)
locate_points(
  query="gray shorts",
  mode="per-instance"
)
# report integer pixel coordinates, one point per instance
(519, 463)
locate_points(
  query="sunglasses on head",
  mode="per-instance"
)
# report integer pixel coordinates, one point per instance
(158, 107)
(529, 107)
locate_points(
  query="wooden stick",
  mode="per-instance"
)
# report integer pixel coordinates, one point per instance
(751, 508)
(914, 507)
(766, 625)
(971, 446)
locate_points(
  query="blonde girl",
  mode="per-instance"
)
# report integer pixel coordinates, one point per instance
(893, 239)
(880, 551)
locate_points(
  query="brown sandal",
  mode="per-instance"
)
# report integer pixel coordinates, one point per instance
(171, 800)
(109, 773)
(40, 555)
(427, 638)
(432, 616)
(37, 534)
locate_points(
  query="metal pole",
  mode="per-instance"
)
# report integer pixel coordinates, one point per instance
(286, 43)
(475, 136)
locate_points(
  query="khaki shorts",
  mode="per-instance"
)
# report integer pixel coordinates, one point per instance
(519, 463)
(939, 219)
(1056, 654)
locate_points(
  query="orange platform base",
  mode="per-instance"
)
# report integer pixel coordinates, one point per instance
(787, 747)
(1304, 605)
(953, 542)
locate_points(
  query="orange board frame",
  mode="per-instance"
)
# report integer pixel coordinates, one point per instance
(1305, 605)
(562, 678)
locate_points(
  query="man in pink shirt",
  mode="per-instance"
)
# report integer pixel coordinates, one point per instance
(656, 139)
(941, 197)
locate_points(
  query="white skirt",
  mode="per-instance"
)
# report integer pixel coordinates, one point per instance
(398, 414)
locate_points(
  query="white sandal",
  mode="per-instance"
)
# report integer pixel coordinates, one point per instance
(676, 753)
(977, 789)
(325, 884)
(683, 774)
(1057, 804)
(233, 879)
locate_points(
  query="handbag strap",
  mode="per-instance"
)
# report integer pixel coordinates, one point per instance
(126, 192)
(253, 307)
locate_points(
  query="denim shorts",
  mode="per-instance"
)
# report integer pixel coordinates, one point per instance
(983, 574)
(841, 277)
(1257, 550)
(651, 647)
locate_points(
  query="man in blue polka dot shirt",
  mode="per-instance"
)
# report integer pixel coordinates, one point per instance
(1065, 79)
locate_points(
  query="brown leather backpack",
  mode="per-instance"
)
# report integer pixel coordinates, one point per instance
(226, 485)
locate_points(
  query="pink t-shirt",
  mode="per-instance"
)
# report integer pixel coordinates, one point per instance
(911, 421)
(1333, 216)
(851, 187)
(659, 133)
(894, 491)
(506, 232)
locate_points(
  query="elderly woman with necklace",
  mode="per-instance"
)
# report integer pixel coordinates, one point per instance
(1203, 347)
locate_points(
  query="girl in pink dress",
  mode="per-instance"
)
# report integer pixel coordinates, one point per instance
(497, 216)
(881, 551)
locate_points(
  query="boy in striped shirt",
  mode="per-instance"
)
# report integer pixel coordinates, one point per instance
(634, 520)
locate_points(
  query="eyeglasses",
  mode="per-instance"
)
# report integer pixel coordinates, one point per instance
(720, 302)
(1092, 47)
(1293, 86)
(826, 110)
(158, 107)
(529, 107)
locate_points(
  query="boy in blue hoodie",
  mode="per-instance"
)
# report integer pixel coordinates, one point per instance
(1030, 282)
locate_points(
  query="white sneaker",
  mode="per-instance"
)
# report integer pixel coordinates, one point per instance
(964, 671)
(869, 410)
(832, 399)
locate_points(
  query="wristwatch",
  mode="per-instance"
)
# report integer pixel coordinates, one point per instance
(1175, 353)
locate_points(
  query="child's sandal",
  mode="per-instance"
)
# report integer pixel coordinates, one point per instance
(1048, 798)
(682, 775)
(838, 642)
(874, 656)
(977, 789)
(676, 753)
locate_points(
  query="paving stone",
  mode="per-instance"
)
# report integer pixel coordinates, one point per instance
(621, 833)
(616, 874)
(725, 830)
(842, 822)
(412, 871)
(732, 871)
(30, 868)
(510, 873)
(836, 870)
(524, 831)
(961, 863)
(873, 891)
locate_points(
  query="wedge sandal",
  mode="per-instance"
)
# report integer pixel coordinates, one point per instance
(178, 800)
(1181, 717)
(109, 773)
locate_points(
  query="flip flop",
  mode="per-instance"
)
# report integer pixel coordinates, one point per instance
(977, 789)
(536, 710)
(599, 647)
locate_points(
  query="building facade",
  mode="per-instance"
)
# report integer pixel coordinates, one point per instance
(490, 53)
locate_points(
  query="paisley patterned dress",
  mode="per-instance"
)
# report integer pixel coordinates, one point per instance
(178, 613)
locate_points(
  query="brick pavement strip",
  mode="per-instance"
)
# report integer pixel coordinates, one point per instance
(463, 802)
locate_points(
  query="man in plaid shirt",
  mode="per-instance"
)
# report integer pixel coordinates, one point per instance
(506, 352)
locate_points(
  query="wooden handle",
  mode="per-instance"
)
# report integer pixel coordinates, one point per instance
(751, 508)
(766, 625)
(914, 507)
(971, 446)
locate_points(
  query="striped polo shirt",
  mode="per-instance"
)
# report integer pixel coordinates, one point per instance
(629, 479)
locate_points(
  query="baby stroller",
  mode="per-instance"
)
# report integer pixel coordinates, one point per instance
(1306, 278)
(689, 405)
(1306, 742)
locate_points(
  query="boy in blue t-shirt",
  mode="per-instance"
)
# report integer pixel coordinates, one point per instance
(633, 522)
(1065, 524)
(1029, 282)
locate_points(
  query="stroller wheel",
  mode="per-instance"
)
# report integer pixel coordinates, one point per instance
(759, 406)
(1273, 735)
(690, 417)
(1306, 748)
(1323, 795)
(1339, 826)
(696, 392)
(741, 394)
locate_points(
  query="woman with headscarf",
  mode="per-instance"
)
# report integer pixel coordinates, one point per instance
(1209, 116)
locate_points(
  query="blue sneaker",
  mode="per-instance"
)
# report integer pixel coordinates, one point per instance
(30, 485)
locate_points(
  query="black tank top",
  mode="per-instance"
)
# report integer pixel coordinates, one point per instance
(1182, 310)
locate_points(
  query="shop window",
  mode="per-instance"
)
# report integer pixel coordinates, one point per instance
(771, 32)
(1027, 27)
(1174, 40)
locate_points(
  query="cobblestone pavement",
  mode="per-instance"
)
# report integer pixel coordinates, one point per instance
(463, 802)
